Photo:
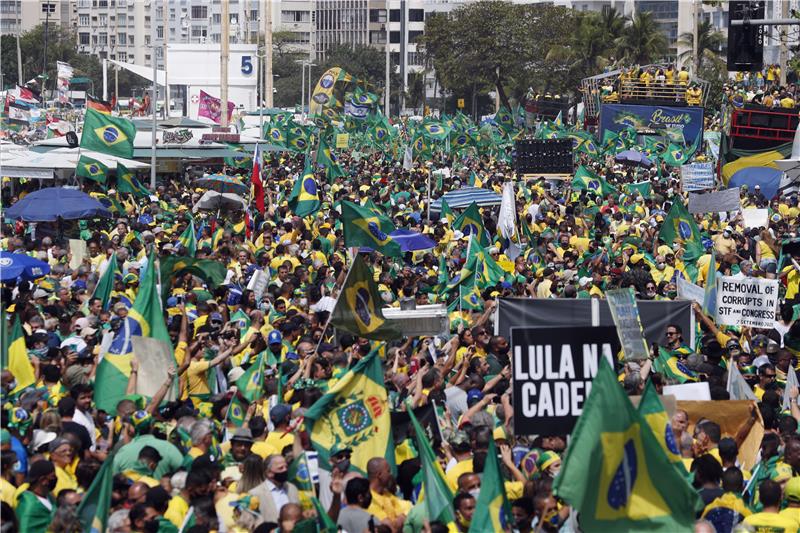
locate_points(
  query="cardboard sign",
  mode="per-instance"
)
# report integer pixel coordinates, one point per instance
(746, 302)
(689, 291)
(154, 358)
(625, 313)
(258, 284)
(79, 251)
(553, 373)
(697, 177)
(342, 140)
(755, 218)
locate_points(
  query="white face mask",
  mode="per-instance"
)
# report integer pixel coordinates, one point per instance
(474, 493)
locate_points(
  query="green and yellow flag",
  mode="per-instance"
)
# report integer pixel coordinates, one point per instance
(106, 134)
(127, 182)
(327, 159)
(438, 496)
(15, 358)
(91, 169)
(188, 239)
(355, 413)
(651, 408)
(210, 271)
(299, 473)
(616, 474)
(251, 383)
(95, 506)
(470, 222)
(495, 512)
(304, 200)
(586, 180)
(237, 412)
(358, 309)
(106, 282)
(364, 227)
(679, 226)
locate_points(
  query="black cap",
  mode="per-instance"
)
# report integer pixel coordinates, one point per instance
(39, 469)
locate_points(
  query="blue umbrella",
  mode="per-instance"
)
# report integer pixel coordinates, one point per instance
(13, 266)
(633, 157)
(52, 203)
(463, 197)
(222, 183)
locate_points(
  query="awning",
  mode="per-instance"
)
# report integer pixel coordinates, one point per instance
(462, 198)
(144, 72)
(178, 153)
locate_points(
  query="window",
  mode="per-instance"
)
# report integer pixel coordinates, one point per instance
(234, 18)
(377, 37)
(254, 14)
(83, 39)
(394, 37)
(295, 16)
(147, 40)
(413, 35)
(199, 32)
(377, 15)
(84, 3)
(199, 12)
(122, 56)
(103, 39)
(122, 20)
(394, 15)
(416, 15)
(215, 38)
(415, 58)
(147, 57)
(83, 20)
(122, 3)
(160, 32)
(130, 40)
(299, 37)
(103, 20)
(94, 40)
(48, 8)
(122, 39)
(159, 13)
(113, 40)
(216, 18)
(102, 3)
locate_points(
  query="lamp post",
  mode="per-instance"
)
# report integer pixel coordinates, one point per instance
(303, 64)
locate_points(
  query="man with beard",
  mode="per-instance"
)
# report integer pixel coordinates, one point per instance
(497, 355)
(36, 505)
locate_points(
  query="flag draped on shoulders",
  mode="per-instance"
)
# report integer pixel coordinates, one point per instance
(679, 226)
(354, 413)
(615, 472)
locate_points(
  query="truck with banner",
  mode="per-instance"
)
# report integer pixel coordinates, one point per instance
(666, 121)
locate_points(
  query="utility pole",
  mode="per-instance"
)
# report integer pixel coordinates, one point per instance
(695, 37)
(44, 57)
(784, 48)
(223, 64)
(260, 57)
(388, 80)
(19, 56)
(165, 25)
(154, 101)
(268, 52)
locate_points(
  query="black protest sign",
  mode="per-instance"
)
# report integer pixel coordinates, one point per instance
(553, 372)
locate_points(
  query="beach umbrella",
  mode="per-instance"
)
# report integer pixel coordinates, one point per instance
(221, 183)
(53, 203)
(13, 266)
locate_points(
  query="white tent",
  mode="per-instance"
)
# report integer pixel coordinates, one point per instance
(29, 164)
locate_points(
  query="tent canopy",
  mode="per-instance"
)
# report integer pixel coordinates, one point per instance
(145, 72)
(463, 197)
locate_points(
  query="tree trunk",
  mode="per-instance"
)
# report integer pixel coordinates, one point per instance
(503, 98)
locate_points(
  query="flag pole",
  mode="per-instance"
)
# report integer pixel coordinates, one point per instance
(328, 321)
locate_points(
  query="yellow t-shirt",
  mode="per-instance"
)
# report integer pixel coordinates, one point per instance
(7, 490)
(389, 506)
(771, 523)
(792, 513)
(176, 510)
(278, 441)
(262, 449)
(197, 378)
(64, 480)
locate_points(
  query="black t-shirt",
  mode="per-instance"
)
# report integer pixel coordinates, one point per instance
(81, 432)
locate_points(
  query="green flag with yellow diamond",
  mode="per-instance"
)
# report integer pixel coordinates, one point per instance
(91, 169)
(108, 135)
(95, 506)
(366, 227)
(358, 309)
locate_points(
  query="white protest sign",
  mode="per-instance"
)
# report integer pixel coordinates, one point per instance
(755, 218)
(155, 358)
(714, 202)
(78, 251)
(689, 291)
(746, 302)
(258, 284)
(689, 391)
(697, 177)
(625, 313)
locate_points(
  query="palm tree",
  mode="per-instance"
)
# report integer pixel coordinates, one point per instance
(642, 41)
(590, 48)
(709, 44)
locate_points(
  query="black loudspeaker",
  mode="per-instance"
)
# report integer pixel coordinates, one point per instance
(551, 156)
(72, 139)
(745, 43)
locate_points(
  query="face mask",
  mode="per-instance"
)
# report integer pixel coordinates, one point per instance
(281, 477)
(343, 466)
(474, 493)
(463, 521)
(51, 485)
(303, 302)
(672, 294)
(504, 350)
(661, 266)
(11, 385)
(38, 352)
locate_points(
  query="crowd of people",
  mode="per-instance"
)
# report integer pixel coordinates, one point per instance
(181, 463)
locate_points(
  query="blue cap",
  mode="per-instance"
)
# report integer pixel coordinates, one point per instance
(474, 395)
(172, 301)
(274, 337)
(215, 317)
(79, 284)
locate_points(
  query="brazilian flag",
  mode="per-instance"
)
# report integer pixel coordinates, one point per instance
(297, 138)
(676, 155)
(471, 223)
(679, 226)
(108, 135)
(210, 271)
(495, 514)
(91, 169)
(95, 506)
(127, 182)
(354, 413)
(651, 408)
(505, 120)
(364, 227)
(615, 472)
(435, 130)
(275, 135)
(304, 200)
(237, 412)
(469, 297)
(358, 309)
(586, 180)
(251, 383)
(447, 213)
(641, 188)
(672, 368)
(327, 159)
(299, 474)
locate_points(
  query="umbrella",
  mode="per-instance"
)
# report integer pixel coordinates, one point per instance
(214, 200)
(409, 241)
(633, 157)
(221, 183)
(13, 266)
(52, 203)
(464, 196)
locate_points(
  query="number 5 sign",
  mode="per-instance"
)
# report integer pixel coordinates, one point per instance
(247, 65)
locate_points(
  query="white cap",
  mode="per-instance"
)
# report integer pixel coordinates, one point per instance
(584, 281)
(39, 293)
(42, 437)
(235, 373)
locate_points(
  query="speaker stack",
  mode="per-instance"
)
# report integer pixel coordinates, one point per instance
(550, 156)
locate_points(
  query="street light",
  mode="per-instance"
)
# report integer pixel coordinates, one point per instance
(305, 63)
